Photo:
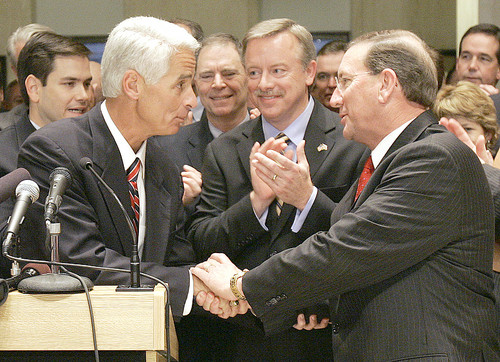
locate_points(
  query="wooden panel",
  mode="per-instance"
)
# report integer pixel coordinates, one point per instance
(124, 321)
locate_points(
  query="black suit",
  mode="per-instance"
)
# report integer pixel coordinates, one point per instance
(93, 229)
(11, 139)
(224, 220)
(187, 146)
(410, 259)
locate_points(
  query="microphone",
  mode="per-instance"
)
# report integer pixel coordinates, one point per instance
(135, 262)
(30, 270)
(27, 192)
(60, 180)
(9, 182)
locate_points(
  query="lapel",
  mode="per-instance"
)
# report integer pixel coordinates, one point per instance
(411, 133)
(23, 128)
(321, 123)
(108, 163)
(198, 141)
(249, 135)
(158, 204)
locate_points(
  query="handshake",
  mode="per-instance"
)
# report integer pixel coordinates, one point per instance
(218, 289)
(212, 287)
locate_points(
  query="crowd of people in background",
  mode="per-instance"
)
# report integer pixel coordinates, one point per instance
(257, 149)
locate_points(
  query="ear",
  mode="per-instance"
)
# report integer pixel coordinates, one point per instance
(488, 136)
(132, 84)
(33, 87)
(311, 72)
(388, 85)
(498, 73)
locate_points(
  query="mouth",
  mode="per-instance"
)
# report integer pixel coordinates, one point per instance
(221, 98)
(78, 110)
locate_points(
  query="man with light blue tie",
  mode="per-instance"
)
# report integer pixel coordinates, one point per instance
(237, 211)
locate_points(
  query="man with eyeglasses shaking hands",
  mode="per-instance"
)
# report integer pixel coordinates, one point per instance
(406, 264)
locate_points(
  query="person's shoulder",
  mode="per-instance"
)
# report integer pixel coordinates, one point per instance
(9, 118)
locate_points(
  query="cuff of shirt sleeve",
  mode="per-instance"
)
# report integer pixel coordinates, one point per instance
(188, 305)
(301, 216)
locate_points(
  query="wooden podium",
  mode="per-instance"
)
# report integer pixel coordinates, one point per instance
(125, 321)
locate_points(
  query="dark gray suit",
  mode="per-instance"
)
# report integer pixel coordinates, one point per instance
(187, 146)
(224, 220)
(93, 229)
(410, 259)
(11, 139)
(9, 118)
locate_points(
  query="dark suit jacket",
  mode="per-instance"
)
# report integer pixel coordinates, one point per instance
(411, 259)
(496, 102)
(11, 139)
(9, 118)
(187, 146)
(224, 220)
(93, 229)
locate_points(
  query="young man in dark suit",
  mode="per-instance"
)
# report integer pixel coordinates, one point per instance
(407, 261)
(54, 77)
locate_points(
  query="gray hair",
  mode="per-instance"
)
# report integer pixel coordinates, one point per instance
(408, 56)
(143, 44)
(22, 35)
(273, 27)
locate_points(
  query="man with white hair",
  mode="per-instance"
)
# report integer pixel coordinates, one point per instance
(147, 69)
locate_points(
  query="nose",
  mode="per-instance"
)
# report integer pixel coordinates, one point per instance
(473, 63)
(265, 81)
(83, 93)
(331, 82)
(336, 101)
(218, 81)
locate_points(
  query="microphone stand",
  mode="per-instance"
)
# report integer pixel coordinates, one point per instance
(135, 260)
(54, 282)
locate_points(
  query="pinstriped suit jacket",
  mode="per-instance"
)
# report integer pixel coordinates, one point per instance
(407, 267)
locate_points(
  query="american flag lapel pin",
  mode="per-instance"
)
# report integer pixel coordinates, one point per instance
(322, 147)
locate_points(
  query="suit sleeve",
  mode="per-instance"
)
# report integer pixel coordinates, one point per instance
(410, 215)
(493, 176)
(218, 226)
(81, 239)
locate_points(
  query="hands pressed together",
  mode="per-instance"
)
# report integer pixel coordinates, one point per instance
(213, 292)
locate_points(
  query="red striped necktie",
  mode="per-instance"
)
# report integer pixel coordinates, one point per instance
(365, 176)
(132, 176)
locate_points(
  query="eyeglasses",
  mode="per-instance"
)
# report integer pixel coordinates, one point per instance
(344, 82)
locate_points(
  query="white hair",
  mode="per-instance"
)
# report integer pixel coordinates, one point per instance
(143, 44)
(22, 35)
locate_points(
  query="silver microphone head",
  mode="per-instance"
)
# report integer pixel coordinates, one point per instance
(30, 187)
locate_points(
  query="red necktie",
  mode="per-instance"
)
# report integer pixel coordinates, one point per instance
(365, 176)
(132, 176)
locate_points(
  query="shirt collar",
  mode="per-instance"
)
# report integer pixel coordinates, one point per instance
(296, 130)
(379, 152)
(127, 153)
(217, 132)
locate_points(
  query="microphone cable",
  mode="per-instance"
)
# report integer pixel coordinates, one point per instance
(91, 311)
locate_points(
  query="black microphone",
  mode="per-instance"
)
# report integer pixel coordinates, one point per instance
(27, 192)
(9, 182)
(135, 262)
(30, 270)
(60, 180)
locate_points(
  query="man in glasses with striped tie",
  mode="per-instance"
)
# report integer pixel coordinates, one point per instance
(246, 218)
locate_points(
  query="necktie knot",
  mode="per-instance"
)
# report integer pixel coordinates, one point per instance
(365, 176)
(284, 137)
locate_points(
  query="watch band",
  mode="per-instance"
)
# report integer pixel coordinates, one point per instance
(234, 287)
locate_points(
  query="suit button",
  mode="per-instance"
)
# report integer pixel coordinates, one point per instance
(335, 328)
